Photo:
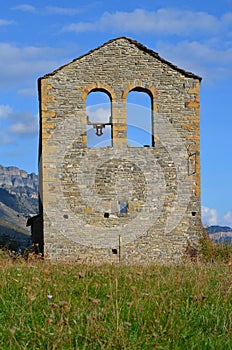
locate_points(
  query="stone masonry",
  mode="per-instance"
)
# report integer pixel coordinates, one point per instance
(119, 203)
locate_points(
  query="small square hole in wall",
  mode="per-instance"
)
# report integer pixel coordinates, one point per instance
(194, 213)
(106, 215)
(114, 251)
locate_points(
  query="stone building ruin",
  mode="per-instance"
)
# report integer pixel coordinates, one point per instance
(121, 198)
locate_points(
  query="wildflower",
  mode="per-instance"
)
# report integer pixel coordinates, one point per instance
(94, 301)
(49, 296)
(31, 297)
(64, 305)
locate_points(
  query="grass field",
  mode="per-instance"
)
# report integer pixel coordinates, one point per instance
(73, 306)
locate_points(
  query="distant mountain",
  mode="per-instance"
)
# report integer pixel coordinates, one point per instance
(216, 229)
(220, 234)
(18, 200)
(13, 176)
(19, 190)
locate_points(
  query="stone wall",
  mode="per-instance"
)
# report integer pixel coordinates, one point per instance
(82, 188)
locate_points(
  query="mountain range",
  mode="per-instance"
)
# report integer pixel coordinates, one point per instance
(220, 234)
(19, 201)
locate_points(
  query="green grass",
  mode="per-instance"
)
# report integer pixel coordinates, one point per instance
(114, 307)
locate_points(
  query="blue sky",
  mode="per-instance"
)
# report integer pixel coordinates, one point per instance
(37, 37)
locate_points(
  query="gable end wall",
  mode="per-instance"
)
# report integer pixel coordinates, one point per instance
(78, 183)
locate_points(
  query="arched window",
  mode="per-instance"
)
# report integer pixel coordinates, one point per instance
(99, 126)
(139, 118)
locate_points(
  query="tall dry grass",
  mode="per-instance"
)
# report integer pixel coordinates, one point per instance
(73, 306)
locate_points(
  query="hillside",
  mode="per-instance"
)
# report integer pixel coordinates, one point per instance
(18, 201)
(18, 189)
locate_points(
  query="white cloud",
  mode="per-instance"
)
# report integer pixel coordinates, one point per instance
(27, 92)
(5, 139)
(22, 128)
(4, 22)
(99, 114)
(165, 21)
(54, 10)
(208, 54)
(5, 111)
(32, 62)
(209, 216)
(227, 18)
(17, 123)
(62, 10)
(81, 27)
(23, 123)
(227, 219)
(209, 62)
(199, 52)
(25, 8)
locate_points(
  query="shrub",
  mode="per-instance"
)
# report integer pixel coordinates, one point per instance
(214, 252)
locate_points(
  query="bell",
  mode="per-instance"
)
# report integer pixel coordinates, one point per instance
(99, 130)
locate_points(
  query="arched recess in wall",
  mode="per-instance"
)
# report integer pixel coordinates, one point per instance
(99, 126)
(139, 118)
